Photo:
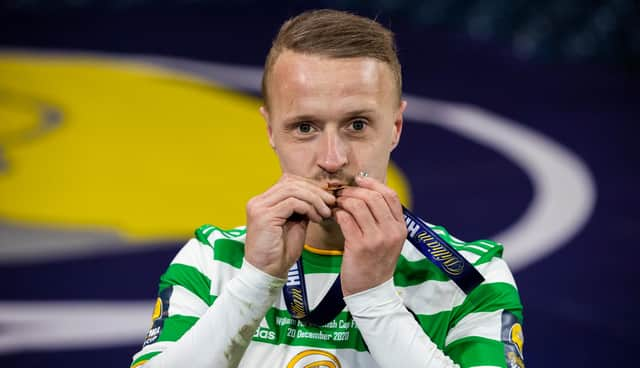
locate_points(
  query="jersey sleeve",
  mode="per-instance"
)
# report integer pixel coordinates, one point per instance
(183, 296)
(485, 330)
(185, 291)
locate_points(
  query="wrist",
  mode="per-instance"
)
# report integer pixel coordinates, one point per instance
(255, 285)
(377, 301)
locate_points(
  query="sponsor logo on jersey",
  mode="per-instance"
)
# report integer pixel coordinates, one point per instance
(157, 310)
(314, 358)
(517, 337)
(513, 339)
(160, 313)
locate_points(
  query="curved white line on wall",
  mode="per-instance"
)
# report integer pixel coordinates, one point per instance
(38, 326)
(564, 189)
(564, 197)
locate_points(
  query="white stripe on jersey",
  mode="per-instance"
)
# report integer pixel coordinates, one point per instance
(185, 303)
(481, 324)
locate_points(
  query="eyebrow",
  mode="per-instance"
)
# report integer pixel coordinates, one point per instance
(307, 117)
(360, 112)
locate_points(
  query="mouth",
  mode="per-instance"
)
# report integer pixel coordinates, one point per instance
(334, 187)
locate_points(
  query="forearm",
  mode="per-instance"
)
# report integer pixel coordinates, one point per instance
(393, 336)
(223, 332)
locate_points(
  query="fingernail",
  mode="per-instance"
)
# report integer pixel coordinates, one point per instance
(363, 174)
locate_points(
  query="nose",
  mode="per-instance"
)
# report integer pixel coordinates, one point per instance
(333, 152)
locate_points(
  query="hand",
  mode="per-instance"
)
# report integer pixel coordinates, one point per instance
(370, 216)
(277, 222)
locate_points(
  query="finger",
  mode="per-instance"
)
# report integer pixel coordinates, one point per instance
(360, 212)
(347, 223)
(299, 190)
(375, 201)
(314, 186)
(293, 206)
(390, 196)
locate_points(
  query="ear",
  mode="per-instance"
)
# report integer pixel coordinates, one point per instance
(397, 125)
(265, 115)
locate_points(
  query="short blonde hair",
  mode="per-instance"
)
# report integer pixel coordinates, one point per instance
(335, 34)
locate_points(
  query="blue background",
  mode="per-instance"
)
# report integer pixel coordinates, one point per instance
(580, 302)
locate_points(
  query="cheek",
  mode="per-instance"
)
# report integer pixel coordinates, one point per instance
(295, 159)
(370, 157)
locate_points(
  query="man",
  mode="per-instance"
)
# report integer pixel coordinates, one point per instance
(333, 108)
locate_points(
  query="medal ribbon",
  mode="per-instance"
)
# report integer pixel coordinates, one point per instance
(441, 254)
(426, 241)
(295, 296)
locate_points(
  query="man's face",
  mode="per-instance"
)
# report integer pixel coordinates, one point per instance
(328, 119)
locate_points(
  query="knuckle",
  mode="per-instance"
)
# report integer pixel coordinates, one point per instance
(286, 179)
(379, 235)
(373, 196)
(359, 204)
(399, 234)
(251, 205)
(392, 195)
(290, 201)
(403, 231)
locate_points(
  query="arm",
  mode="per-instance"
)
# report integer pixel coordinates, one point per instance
(392, 334)
(371, 220)
(218, 333)
(224, 331)
(485, 328)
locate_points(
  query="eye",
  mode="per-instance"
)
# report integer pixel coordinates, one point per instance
(304, 127)
(358, 124)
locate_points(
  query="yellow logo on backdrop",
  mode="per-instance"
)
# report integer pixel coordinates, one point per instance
(137, 149)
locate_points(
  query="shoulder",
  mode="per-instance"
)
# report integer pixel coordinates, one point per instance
(209, 234)
(498, 291)
(485, 255)
(214, 244)
(476, 252)
(211, 245)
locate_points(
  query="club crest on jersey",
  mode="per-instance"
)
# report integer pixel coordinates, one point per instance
(513, 339)
(160, 313)
(314, 358)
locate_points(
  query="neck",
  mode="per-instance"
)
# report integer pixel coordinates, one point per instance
(326, 235)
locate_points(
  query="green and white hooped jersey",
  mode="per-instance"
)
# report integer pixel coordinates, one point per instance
(482, 329)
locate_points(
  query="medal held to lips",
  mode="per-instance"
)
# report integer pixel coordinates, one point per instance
(426, 241)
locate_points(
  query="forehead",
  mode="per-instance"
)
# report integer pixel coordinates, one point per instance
(311, 82)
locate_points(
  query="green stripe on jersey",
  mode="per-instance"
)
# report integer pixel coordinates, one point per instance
(489, 298)
(341, 333)
(487, 249)
(176, 326)
(320, 263)
(205, 231)
(145, 357)
(229, 251)
(475, 351)
(189, 278)
(436, 326)
(409, 273)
